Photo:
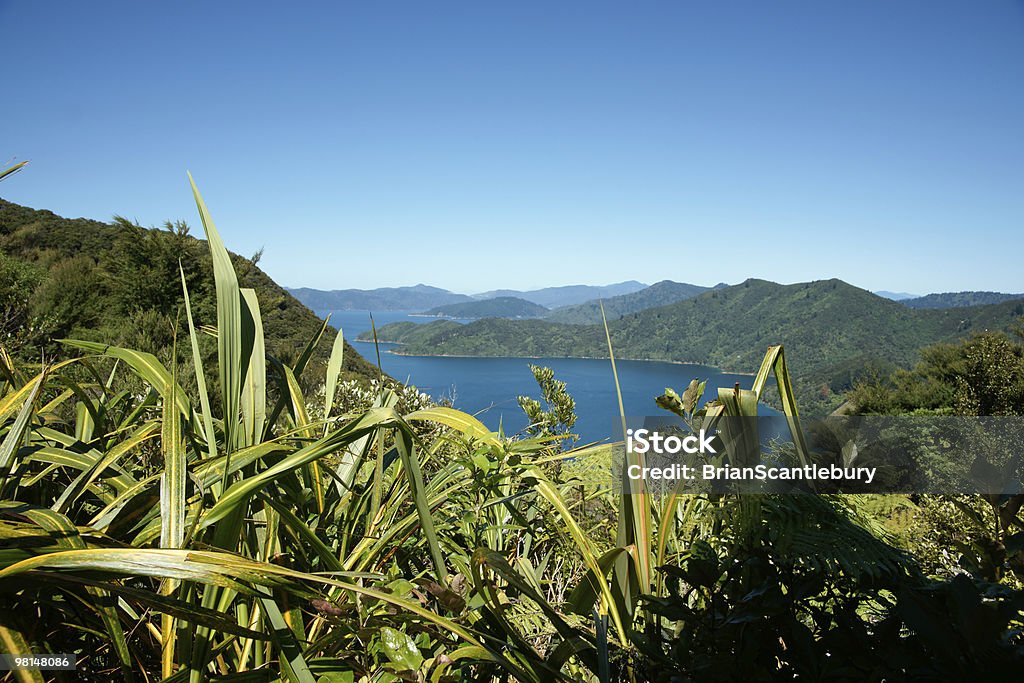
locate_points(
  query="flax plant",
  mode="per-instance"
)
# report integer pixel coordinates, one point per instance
(189, 536)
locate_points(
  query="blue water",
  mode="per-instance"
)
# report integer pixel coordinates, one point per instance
(488, 387)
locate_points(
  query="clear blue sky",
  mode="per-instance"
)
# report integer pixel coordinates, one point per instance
(479, 145)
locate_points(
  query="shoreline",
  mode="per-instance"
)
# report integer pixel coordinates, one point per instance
(640, 360)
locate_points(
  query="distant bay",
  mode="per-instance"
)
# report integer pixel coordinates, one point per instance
(488, 387)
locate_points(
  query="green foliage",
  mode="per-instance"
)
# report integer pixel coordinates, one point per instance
(983, 375)
(143, 266)
(408, 332)
(746, 611)
(558, 414)
(18, 281)
(66, 299)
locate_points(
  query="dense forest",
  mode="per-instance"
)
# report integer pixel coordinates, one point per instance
(211, 511)
(958, 299)
(119, 283)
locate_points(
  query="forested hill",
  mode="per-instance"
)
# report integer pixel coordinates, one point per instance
(831, 330)
(499, 307)
(120, 284)
(959, 299)
(659, 294)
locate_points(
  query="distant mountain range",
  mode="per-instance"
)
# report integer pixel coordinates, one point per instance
(423, 297)
(555, 297)
(417, 298)
(574, 304)
(499, 307)
(833, 332)
(896, 296)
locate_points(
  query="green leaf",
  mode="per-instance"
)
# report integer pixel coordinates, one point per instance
(254, 389)
(333, 371)
(400, 649)
(197, 362)
(406, 451)
(172, 480)
(16, 434)
(458, 420)
(13, 641)
(145, 365)
(230, 364)
(8, 172)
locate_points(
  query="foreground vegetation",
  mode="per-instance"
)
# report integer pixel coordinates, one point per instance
(246, 529)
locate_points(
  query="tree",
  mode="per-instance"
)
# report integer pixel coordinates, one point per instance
(560, 415)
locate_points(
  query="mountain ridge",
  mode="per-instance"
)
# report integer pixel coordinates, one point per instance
(422, 297)
(959, 299)
(416, 297)
(659, 294)
(566, 295)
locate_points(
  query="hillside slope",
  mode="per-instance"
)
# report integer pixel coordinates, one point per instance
(659, 294)
(120, 284)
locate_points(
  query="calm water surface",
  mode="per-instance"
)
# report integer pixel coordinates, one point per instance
(488, 387)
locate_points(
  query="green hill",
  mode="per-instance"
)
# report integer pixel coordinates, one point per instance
(959, 299)
(411, 333)
(833, 332)
(499, 307)
(659, 294)
(119, 283)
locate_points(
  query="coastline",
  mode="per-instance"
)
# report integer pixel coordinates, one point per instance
(641, 360)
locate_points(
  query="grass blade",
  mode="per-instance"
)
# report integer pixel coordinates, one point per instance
(13, 641)
(407, 453)
(254, 389)
(230, 363)
(16, 435)
(634, 523)
(197, 362)
(333, 372)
